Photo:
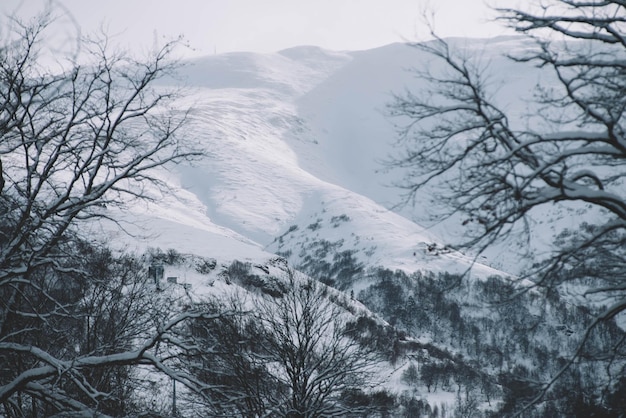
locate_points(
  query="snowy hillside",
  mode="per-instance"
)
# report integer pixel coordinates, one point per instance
(287, 228)
(296, 144)
(302, 134)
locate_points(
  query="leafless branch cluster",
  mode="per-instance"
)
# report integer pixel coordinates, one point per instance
(72, 143)
(496, 173)
(285, 356)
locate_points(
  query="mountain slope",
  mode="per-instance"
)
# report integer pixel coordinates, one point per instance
(289, 132)
(293, 175)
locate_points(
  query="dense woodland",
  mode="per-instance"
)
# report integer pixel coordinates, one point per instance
(440, 333)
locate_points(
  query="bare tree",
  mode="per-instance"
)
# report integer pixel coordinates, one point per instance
(313, 353)
(496, 172)
(72, 143)
(229, 357)
(287, 355)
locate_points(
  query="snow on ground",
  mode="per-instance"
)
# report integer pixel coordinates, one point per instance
(297, 133)
(272, 162)
(378, 236)
(295, 143)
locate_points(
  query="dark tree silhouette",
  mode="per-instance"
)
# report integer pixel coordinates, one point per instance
(72, 143)
(496, 173)
(291, 354)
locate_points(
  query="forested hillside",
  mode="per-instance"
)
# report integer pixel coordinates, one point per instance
(417, 230)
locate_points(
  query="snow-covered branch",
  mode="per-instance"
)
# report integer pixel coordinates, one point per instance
(460, 143)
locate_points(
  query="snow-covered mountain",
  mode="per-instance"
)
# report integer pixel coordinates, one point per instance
(298, 138)
(294, 175)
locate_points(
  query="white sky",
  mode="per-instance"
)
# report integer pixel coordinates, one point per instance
(268, 25)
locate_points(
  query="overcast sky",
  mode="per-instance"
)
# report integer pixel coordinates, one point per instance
(212, 26)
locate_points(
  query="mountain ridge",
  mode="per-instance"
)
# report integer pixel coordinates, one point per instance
(272, 144)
